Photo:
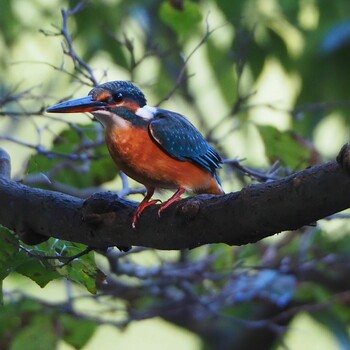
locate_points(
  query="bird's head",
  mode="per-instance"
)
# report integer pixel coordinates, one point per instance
(113, 98)
(105, 96)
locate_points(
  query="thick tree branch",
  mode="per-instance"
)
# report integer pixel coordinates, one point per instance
(236, 218)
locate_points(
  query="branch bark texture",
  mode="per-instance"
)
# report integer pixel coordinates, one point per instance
(257, 211)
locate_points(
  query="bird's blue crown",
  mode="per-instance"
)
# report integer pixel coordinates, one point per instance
(128, 90)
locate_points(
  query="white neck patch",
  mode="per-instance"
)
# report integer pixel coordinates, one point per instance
(146, 112)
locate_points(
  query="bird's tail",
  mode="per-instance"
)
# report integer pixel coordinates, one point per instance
(219, 189)
(214, 186)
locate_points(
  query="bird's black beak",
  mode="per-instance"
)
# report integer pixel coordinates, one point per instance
(84, 104)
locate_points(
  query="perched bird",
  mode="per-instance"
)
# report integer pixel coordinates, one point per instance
(154, 146)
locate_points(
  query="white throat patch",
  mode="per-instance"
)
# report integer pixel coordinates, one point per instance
(108, 119)
(146, 112)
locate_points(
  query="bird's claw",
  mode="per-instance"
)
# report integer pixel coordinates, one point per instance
(166, 205)
(140, 209)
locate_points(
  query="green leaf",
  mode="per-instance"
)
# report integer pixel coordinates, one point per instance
(82, 270)
(257, 58)
(182, 21)
(28, 324)
(10, 25)
(39, 334)
(9, 250)
(78, 173)
(13, 317)
(39, 271)
(77, 332)
(285, 146)
(222, 66)
(225, 256)
(228, 8)
(81, 273)
(13, 258)
(311, 292)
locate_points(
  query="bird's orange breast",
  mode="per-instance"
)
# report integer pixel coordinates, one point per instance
(138, 156)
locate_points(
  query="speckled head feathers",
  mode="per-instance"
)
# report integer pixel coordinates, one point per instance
(127, 89)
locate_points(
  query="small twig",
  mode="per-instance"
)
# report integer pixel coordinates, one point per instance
(257, 175)
(79, 64)
(22, 114)
(58, 257)
(126, 188)
(48, 153)
(68, 49)
(54, 67)
(12, 97)
(41, 179)
(82, 253)
(237, 107)
(128, 44)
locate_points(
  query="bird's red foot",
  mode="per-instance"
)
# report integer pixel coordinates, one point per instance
(143, 205)
(176, 197)
(146, 203)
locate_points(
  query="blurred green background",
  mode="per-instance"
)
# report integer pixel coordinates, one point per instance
(266, 81)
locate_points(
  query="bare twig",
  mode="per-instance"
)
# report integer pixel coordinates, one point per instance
(68, 259)
(40, 149)
(68, 49)
(254, 174)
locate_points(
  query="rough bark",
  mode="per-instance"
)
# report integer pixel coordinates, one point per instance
(257, 211)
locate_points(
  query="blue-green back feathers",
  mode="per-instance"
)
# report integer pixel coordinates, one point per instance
(181, 140)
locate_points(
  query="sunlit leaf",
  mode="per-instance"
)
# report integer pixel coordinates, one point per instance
(336, 326)
(285, 146)
(83, 271)
(77, 332)
(224, 256)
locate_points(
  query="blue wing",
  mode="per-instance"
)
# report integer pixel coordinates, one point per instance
(181, 140)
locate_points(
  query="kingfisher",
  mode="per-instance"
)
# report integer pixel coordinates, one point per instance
(156, 147)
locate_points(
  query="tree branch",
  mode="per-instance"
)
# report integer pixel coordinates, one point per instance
(256, 212)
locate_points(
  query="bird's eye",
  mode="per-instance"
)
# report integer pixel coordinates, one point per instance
(118, 97)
